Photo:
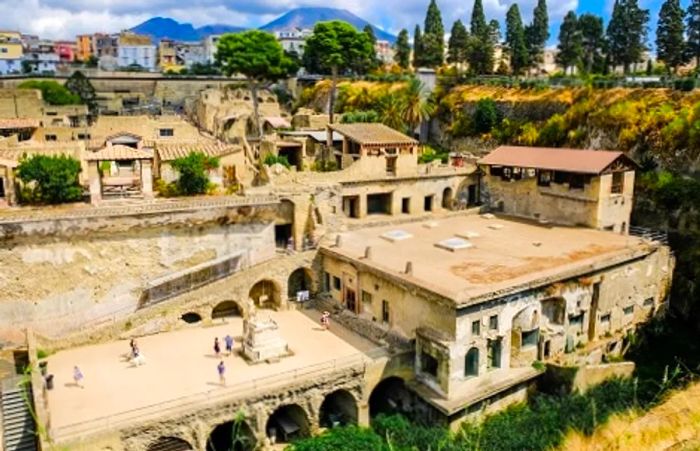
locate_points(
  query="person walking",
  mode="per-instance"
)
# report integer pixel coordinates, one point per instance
(221, 368)
(228, 341)
(78, 377)
(217, 347)
(326, 320)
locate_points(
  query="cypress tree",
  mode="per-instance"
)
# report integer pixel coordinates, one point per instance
(627, 33)
(369, 31)
(478, 23)
(569, 42)
(694, 31)
(481, 45)
(433, 37)
(402, 50)
(458, 44)
(515, 40)
(670, 43)
(417, 48)
(537, 33)
(592, 42)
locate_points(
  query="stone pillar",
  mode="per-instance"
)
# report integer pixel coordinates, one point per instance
(363, 414)
(362, 205)
(147, 179)
(9, 178)
(95, 182)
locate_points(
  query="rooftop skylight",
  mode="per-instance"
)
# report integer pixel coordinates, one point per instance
(454, 244)
(396, 235)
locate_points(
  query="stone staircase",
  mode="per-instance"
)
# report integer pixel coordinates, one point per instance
(19, 431)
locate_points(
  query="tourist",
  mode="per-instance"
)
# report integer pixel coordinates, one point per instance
(217, 347)
(221, 368)
(78, 377)
(326, 320)
(228, 341)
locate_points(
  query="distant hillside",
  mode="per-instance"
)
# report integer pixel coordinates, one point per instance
(162, 27)
(308, 17)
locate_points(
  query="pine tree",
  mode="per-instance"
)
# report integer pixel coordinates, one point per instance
(458, 44)
(515, 40)
(478, 23)
(402, 50)
(537, 33)
(570, 49)
(592, 42)
(433, 43)
(417, 48)
(627, 33)
(670, 42)
(694, 31)
(481, 45)
(369, 31)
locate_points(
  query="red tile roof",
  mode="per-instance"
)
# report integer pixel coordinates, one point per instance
(173, 151)
(569, 160)
(118, 152)
(13, 123)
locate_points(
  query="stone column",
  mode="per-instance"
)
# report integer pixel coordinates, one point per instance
(95, 182)
(363, 414)
(147, 179)
(362, 205)
(9, 178)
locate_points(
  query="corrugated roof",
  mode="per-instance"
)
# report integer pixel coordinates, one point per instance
(118, 152)
(277, 122)
(570, 160)
(12, 123)
(373, 134)
(173, 151)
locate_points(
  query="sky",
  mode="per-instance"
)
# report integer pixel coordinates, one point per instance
(63, 19)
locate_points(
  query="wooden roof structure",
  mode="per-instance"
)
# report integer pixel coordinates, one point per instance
(118, 152)
(373, 135)
(173, 151)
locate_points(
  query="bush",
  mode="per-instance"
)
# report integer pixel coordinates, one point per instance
(271, 160)
(52, 92)
(49, 179)
(431, 154)
(486, 115)
(193, 168)
(554, 132)
(349, 438)
(360, 116)
(684, 84)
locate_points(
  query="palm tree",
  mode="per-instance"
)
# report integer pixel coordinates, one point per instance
(360, 99)
(417, 107)
(392, 107)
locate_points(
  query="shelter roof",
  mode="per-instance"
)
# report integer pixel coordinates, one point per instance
(373, 134)
(173, 151)
(277, 122)
(118, 152)
(570, 160)
(16, 123)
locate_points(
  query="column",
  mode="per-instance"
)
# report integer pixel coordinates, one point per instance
(363, 414)
(147, 179)
(9, 178)
(95, 182)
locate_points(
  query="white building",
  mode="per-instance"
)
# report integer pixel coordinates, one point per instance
(136, 50)
(40, 55)
(210, 43)
(293, 40)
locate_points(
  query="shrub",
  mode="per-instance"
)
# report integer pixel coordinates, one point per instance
(193, 168)
(684, 84)
(271, 160)
(52, 92)
(348, 438)
(486, 115)
(431, 154)
(49, 179)
(553, 134)
(360, 116)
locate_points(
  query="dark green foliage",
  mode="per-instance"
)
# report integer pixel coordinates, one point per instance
(369, 31)
(481, 42)
(693, 46)
(515, 40)
(627, 33)
(478, 26)
(592, 42)
(433, 42)
(402, 50)
(417, 48)
(79, 85)
(49, 179)
(458, 45)
(360, 116)
(570, 48)
(271, 160)
(338, 46)
(486, 115)
(670, 42)
(348, 438)
(193, 169)
(537, 33)
(53, 92)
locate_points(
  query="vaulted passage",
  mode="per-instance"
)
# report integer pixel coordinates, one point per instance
(390, 396)
(299, 280)
(226, 309)
(232, 436)
(287, 423)
(265, 294)
(169, 444)
(338, 409)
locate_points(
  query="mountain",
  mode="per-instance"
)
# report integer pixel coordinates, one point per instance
(162, 27)
(308, 16)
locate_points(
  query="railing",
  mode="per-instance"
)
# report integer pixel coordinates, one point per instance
(226, 394)
(659, 236)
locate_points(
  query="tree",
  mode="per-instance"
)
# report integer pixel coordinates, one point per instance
(49, 179)
(391, 113)
(515, 40)
(52, 92)
(369, 31)
(537, 33)
(258, 56)
(694, 31)
(592, 42)
(478, 25)
(433, 43)
(670, 42)
(458, 44)
(80, 85)
(92, 61)
(402, 50)
(481, 42)
(627, 33)
(416, 108)
(486, 115)
(193, 169)
(335, 47)
(417, 48)
(570, 49)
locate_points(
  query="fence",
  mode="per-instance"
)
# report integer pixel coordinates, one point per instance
(650, 234)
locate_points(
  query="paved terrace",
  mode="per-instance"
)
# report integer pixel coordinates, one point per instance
(505, 254)
(181, 373)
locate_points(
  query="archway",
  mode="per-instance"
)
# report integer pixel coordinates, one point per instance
(265, 294)
(390, 396)
(287, 423)
(234, 435)
(226, 309)
(447, 200)
(191, 317)
(338, 409)
(299, 280)
(471, 363)
(169, 444)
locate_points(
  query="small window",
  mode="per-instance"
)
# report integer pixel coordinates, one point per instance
(649, 302)
(3, 50)
(530, 338)
(336, 283)
(50, 137)
(496, 171)
(576, 320)
(83, 136)
(507, 173)
(428, 203)
(577, 181)
(618, 183)
(366, 297)
(52, 113)
(605, 319)
(628, 310)
(385, 311)
(476, 328)
(429, 364)
(493, 322)
(164, 132)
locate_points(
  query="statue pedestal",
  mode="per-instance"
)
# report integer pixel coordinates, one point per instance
(262, 341)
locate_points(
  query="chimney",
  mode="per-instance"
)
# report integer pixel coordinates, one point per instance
(409, 268)
(368, 252)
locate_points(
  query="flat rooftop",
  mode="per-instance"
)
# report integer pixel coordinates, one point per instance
(180, 372)
(467, 258)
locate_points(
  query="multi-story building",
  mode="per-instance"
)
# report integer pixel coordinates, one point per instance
(40, 55)
(189, 53)
(210, 44)
(167, 56)
(11, 52)
(293, 40)
(85, 47)
(105, 45)
(66, 51)
(136, 50)
(385, 51)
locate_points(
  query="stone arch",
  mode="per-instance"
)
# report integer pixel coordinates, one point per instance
(191, 317)
(447, 198)
(301, 279)
(169, 444)
(471, 363)
(390, 396)
(236, 435)
(226, 309)
(265, 294)
(338, 408)
(288, 422)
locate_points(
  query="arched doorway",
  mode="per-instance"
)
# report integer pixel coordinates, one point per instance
(287, 423)
(169, 444)
(447, 199)
(299, 280)
(284, 225)
(338, 409)
(390, 396)
(226, 309)
(265, 294)
(471, 363)
(191, 317)
(234, 435)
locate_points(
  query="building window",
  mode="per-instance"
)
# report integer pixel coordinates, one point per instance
(605, 319)
(494, 353)
(327, 281)
(83, 136)
(530, 338)
(366, 297)
(165, 132)
(618, 183)
(471, 363)
(428, 364)
(336, 283)
(493, 322)
(577, 181)
(628, 310)
(544, 178)
(496, 171)
(50, 137)
(476, 328)
(385, 311)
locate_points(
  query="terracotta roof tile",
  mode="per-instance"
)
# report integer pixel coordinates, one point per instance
(570, 160)
(173, 151)
(277, 122)
(373, 134)
(118, 152)
(12, 123)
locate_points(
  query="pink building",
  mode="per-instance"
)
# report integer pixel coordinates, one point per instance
(65, 50)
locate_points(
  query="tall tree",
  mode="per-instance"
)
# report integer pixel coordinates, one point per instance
(458, 44)
(402, 50)
(569, 47)
(417, 48)
(433, 42)
(369, 31)
(258, 56)
(694, 31)
(627, 33)
(537, 33)
(80, 85)
(336, 47)
(592, 42)
(670, 41)
(416, 107)
(515, 40)
(478, 24)
(481, 45)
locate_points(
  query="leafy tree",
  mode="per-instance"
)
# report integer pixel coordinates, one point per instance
(433, 42)
(670, 42)
(360, 116)
(515, 40)
(627, 33)
(258, 56)
(336, 47)
(80, 85)
(52, 92)
(49, 179)
(570, 48)
(694, 31)
(369, 31)
(417, 48)
(481, 42)
(402, 50)
(193, 168)
(592, 41)
(92, 61)
(458, 44)
(537, 33)
(486, 115)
